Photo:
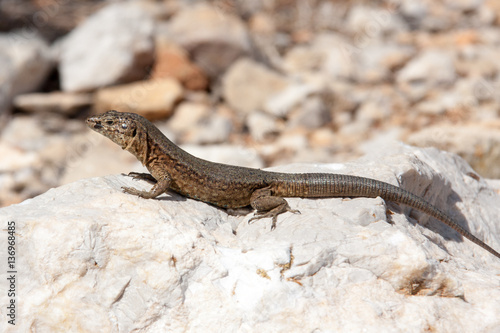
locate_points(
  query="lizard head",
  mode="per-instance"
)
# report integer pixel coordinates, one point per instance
(120, 127)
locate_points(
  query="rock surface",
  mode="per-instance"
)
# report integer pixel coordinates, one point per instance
(91, 258)
(25, 63)
(114, 45)
(427, 71)
(153, 99)
(215, 41)
(172, 61)
(54, 102)
(248, 86)
(478, 144)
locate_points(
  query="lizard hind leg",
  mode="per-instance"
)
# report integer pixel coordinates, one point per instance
(267, 205)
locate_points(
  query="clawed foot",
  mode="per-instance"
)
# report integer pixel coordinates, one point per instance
(141, 176)
(272, 214)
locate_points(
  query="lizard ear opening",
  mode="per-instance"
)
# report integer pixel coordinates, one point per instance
(134, 132)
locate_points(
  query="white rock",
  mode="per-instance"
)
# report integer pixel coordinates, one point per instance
(214, 129)
(377, 62)
(282, 102)
(261, 125)
(477, 143)
(465, 5)
(312, 113)
(248, 85)
(91, 258)
(372, 22)
(331, 54)
(187, 116)
(35, 157)
(434, 66)
(227, 154)
(26, 62)
(53, 102)
(413, 11)
(431, 69)
(113, 45)
(478, 60)
(214, 38)
(89, 150)
(153, 99)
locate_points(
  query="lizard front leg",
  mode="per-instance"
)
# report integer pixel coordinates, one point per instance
(161, 186)
(141, 176)
(268, 205)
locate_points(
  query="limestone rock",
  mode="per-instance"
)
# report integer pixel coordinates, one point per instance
(88, 250)
(172, 61)
(248, 85)
(331, 54)
(226, 154)
(282, 102)
(465, 5)
(153, 99)
(90, 150)
(312, 113)
(378, 62)
(261, 125)
(213, 129)
(214, 38)
(187, 116)
(478, 144)
(56, 102)
(369, 22)
(114, 45)
(35, 156)
(427, 71)
(26, 63)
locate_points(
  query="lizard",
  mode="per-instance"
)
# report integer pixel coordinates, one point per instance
(230, 186)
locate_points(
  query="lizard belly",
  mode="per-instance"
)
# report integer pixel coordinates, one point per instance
(216, 193)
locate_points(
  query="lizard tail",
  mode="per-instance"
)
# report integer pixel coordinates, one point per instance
(311, 185)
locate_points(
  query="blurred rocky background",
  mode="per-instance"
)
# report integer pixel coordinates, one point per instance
(255, 83)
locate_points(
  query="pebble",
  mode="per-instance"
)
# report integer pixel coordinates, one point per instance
(171, 60)
(371, 23)
(153, 99)
(262, 126)
(187, 116)
(312, 113)
(68, 104)
(281, 103)
(429, 70)
(331, 54)
(227, 154)
(212, 130)
(25, 62)
(113, 45)
(477, 143)
(377, 63)
(214, 38)
(248, 85)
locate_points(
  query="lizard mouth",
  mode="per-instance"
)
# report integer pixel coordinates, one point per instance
(95, 124)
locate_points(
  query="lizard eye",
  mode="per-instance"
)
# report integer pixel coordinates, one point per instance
(109, 122)
(124, 125)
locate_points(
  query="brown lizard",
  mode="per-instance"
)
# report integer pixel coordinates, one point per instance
(231, 186)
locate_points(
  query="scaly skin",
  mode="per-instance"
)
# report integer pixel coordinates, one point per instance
(231, 186)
